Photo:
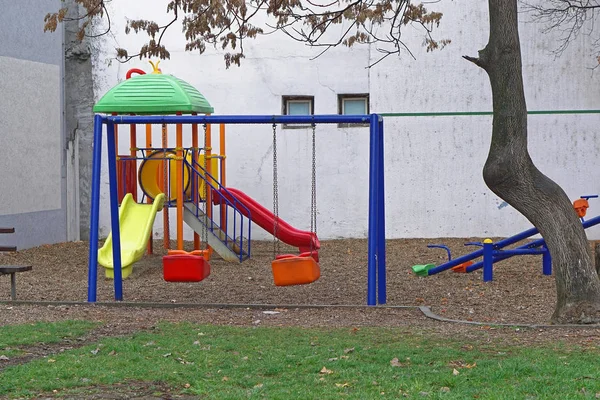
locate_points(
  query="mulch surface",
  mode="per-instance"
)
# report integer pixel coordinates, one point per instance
(518, 294)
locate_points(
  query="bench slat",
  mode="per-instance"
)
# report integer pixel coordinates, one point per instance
(9, 269)
(7, 230)
(8, 248)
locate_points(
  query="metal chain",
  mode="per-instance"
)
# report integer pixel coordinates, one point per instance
(275, 196)
(313, 199)
(204, 205)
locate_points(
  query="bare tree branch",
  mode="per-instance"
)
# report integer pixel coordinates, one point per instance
(229, 23)
(570, 18)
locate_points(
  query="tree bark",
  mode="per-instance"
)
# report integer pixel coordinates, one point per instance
(597, 257)
(510, 173)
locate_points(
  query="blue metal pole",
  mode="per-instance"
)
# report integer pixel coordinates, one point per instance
(373, 216)
(239, 119)
(488, 260)
(95, 210)
(546, 262)
(381, 268)
(517, 252)
(114, 210)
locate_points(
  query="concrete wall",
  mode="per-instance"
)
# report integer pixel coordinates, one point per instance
(32, 182)
(434, 186)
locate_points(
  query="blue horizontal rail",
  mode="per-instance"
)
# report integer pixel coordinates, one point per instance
(239, 119)
(520, 252)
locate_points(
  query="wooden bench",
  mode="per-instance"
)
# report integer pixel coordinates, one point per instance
(12, 269)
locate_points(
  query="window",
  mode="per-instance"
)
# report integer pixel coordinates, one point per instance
(353, 104)
(297, 105)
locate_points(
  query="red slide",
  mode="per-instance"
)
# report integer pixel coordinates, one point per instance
(304, 240)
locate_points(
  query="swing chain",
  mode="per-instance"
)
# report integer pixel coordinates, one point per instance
(275, 195)
(313, 198)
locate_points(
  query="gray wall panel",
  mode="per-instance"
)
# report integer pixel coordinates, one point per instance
(31, 138)
(31, 142)
(22, 34)
(34, 229)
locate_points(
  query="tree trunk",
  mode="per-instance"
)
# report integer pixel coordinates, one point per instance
(597, 257)
(510, 173)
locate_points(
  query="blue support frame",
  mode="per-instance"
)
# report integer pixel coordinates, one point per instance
(381, 277)
(95, 209)
(376, 268)
(114, 209)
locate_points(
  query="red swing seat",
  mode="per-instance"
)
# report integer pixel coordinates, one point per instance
(181, 266)
(289, 269)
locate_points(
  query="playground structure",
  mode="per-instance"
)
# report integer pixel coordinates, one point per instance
(491, 252)
(192, 180)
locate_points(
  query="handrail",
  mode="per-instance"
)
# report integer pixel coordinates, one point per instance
(197, 170)
(221, 187)
(220, 195)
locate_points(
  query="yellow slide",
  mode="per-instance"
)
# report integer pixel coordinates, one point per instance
(135, 221)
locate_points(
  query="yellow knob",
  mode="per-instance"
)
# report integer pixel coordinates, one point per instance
(488, 241)
(155, 69)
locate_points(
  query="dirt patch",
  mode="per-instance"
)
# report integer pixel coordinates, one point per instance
(131, 390)
(519, 292)
(41, 350)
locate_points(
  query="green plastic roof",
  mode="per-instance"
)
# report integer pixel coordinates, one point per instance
(153, 94)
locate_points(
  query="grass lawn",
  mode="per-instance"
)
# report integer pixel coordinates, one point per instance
(220, 362)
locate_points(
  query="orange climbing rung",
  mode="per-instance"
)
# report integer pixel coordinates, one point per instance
(295, 270)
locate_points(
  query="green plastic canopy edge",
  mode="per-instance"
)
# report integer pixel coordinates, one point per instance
(154, 94)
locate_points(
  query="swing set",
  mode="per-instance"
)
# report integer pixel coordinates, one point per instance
(192, 180)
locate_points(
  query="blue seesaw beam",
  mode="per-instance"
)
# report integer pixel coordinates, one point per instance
(502, 243)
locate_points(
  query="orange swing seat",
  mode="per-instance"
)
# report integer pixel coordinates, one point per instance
(181, 266)
(289, 269)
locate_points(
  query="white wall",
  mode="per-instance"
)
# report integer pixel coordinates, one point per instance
(434, 186)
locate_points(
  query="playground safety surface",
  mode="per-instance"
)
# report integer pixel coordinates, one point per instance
(519, 293)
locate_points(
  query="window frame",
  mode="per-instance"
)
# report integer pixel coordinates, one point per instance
(353, 96)
(285, 101)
